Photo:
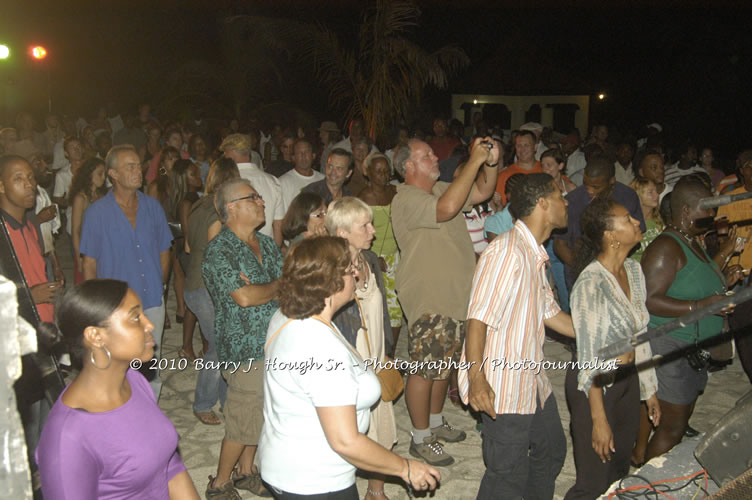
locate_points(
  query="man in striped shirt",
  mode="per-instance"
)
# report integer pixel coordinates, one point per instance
(511, 303)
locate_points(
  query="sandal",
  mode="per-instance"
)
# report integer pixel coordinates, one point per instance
(226, 492)
(251, 482)
(185, 355)
(207, 417)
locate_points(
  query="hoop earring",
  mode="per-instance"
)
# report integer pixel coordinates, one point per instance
(109, 358)
(616, 246)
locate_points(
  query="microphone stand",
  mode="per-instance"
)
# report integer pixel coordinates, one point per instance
(625, 345)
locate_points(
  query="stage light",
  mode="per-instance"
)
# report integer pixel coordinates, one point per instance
(38, 52)
(4, 51)
(601, 96)
(475, 101)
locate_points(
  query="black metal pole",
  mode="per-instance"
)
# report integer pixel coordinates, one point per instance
(626, 345)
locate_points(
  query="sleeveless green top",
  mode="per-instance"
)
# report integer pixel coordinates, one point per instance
(695, 281)
(384, 242)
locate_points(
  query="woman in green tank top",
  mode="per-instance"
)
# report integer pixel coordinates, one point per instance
(681, 278)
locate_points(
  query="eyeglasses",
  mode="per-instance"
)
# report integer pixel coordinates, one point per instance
(254, 197)
(319, 215)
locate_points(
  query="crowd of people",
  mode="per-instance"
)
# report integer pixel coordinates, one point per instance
(307, 248)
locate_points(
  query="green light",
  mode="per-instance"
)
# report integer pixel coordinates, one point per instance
(4, 51)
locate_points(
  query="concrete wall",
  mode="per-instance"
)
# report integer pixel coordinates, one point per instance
(519, 105)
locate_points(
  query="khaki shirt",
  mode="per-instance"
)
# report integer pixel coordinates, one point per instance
(437, 260)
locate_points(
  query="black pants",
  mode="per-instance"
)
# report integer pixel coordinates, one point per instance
(622, 404)
(350, 493)
(523, 454)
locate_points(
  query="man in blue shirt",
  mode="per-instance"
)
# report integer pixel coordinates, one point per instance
(125, 236)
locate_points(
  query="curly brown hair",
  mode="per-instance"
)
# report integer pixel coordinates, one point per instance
(313, 270)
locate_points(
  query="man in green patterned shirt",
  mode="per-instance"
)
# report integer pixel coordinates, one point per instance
(241, 269)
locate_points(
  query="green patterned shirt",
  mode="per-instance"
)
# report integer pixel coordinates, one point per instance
(241, 331)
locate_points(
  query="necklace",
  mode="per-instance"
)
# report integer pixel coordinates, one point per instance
(683, 233)
(361, 265)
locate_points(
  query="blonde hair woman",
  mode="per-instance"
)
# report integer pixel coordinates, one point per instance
(367, 318)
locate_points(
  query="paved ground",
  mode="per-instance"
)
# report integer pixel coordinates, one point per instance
(199, 443)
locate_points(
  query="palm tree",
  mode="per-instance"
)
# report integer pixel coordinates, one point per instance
(382, 75)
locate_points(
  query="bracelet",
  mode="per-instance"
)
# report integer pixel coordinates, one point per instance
(369, 491)
(494, 165)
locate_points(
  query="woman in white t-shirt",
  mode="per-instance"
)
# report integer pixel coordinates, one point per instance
(318, 390)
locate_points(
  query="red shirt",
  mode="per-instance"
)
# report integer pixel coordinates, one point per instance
(509, 172)
(25, 237)
(443, 147)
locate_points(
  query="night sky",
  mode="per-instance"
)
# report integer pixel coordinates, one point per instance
(688, 68)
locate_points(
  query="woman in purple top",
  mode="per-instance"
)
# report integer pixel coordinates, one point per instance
(105, 437)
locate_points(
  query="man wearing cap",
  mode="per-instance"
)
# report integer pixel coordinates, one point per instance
(651, 130)
(237, 147)
(576, 160)
(526, 162)
(329, 133)
(537, 129)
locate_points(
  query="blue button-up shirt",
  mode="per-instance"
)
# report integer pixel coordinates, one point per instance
(124, 253)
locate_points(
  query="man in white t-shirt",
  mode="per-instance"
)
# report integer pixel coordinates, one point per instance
(299, 177)
(238, 148)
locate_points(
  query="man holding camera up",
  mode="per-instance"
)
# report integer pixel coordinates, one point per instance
(434, 277)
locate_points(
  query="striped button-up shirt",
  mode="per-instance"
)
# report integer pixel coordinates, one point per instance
(512, 296)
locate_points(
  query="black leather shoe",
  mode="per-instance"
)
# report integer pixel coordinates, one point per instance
(691, 432)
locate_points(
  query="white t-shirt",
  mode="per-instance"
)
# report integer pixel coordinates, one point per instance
(51, 227)
(576, 164)
(293, 452)
(292, 182)
(63, 181)
(268, 187)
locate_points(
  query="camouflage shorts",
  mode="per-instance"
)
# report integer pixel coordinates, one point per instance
(434, 338)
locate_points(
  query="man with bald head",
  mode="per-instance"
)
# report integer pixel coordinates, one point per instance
(434, 277)
(598, 180)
